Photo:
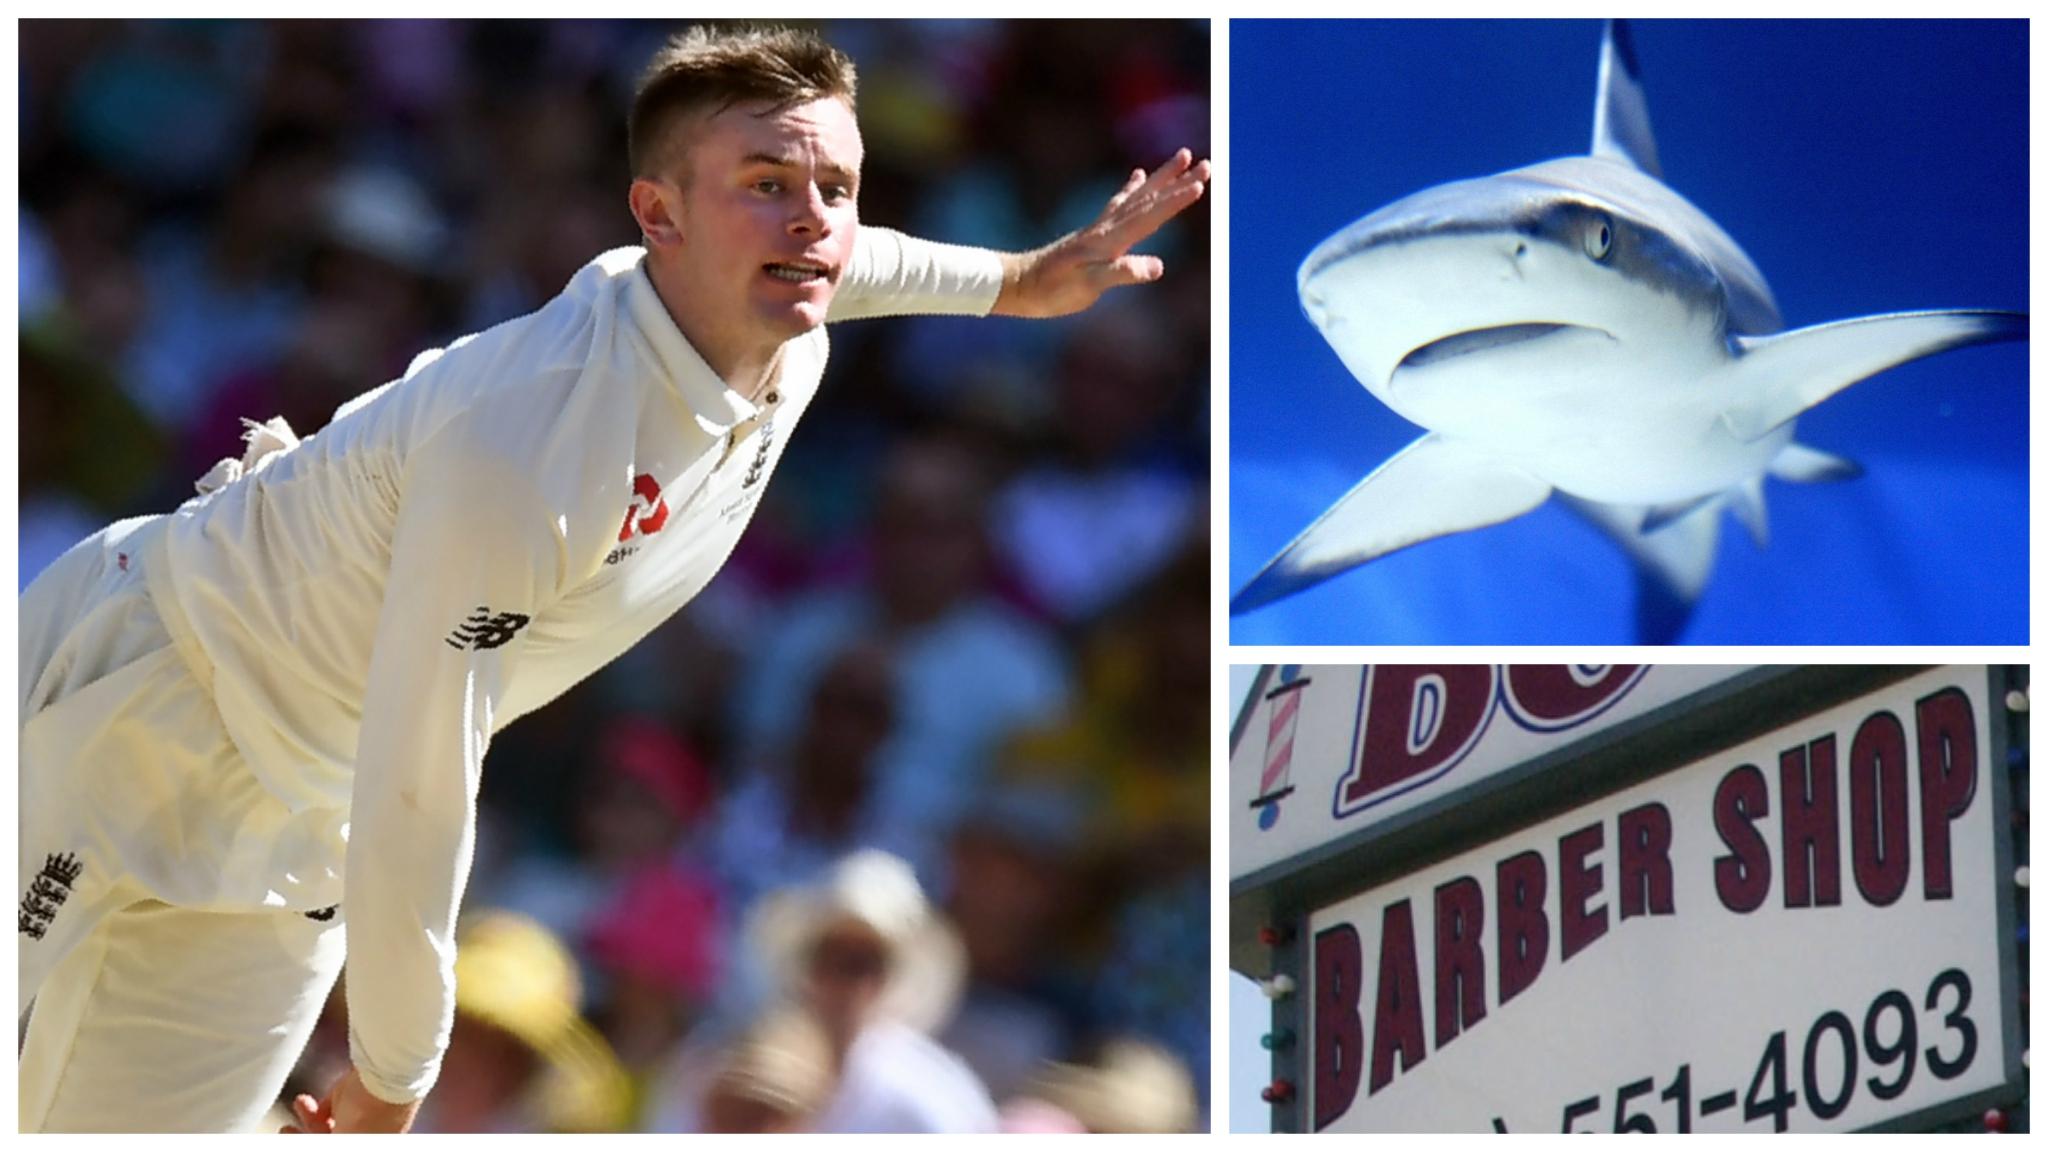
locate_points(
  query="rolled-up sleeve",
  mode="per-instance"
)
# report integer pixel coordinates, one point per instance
(475, 556)
(897, 275)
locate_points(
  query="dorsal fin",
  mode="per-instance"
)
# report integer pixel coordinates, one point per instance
(1621, 118)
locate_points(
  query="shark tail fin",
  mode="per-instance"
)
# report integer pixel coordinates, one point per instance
(1621, 116)
(1801, 464)
(1681, 554)
(1672, 567)
(1782, 375)
(1661, 614)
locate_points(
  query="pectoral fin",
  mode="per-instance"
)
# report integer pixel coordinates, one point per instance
(1782, 375)
(1434, 487)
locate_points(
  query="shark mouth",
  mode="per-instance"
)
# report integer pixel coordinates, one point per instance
(1482, 340)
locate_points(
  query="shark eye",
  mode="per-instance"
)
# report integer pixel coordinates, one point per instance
(1599, 238)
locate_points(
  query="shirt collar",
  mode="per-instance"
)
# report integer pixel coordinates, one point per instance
(717, 407)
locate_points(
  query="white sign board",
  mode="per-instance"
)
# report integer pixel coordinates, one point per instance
(1331, 750)
(1799, 933)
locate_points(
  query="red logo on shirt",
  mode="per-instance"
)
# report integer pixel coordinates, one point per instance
(648, 513)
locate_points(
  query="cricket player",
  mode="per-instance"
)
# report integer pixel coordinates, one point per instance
(256, 725)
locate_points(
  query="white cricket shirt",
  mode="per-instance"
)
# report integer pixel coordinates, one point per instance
(456, 549)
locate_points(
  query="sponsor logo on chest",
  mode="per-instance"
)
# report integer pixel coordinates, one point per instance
(649, 512)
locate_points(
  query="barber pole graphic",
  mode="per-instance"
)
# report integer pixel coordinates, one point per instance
(1282, 719)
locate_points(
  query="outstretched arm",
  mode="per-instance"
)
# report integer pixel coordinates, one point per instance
(897, 275)
(1071, 273)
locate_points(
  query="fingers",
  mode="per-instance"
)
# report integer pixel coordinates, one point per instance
(1175, 165)
(1146, 212)
(1131, 185)
(1128, 270)
(1140, 184)
(313, 1116)
(1179, 169)
(1140, 210)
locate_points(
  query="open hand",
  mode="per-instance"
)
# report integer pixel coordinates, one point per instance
(1071, 273)
(349, 1107)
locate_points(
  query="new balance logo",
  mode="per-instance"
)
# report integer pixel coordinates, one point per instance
(483, 630)
(47, 893)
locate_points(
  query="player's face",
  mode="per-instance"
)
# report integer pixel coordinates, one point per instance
(768, 212)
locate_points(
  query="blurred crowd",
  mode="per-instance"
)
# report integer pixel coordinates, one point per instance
(948, 699)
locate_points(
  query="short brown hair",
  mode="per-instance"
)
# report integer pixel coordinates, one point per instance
(719, 67)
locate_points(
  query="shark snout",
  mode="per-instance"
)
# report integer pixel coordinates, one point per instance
(1378, 294)
(1315, 306)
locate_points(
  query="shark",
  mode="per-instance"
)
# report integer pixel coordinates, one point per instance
(1577, 329)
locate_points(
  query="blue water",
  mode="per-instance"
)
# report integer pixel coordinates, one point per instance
(1864, 166)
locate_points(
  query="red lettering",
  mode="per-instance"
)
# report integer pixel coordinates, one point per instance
(1340, 1035)
(1522, 928)
(1397, 1014)
(1743, 877)
(1547, 696)
(1877, 809)
(1644, 872)
(1419, 719)
(1460, 961)
(1948, 780)
(1578, 881)
(1810, 827)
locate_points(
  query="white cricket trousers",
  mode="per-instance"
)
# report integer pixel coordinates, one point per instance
(168, 996)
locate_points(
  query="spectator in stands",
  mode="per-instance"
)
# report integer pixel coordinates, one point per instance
(522, 1058)
(877, 968)
(1014, 881)
(1108, 509)
(789, 818)
(970, 670)
(775, 1078)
